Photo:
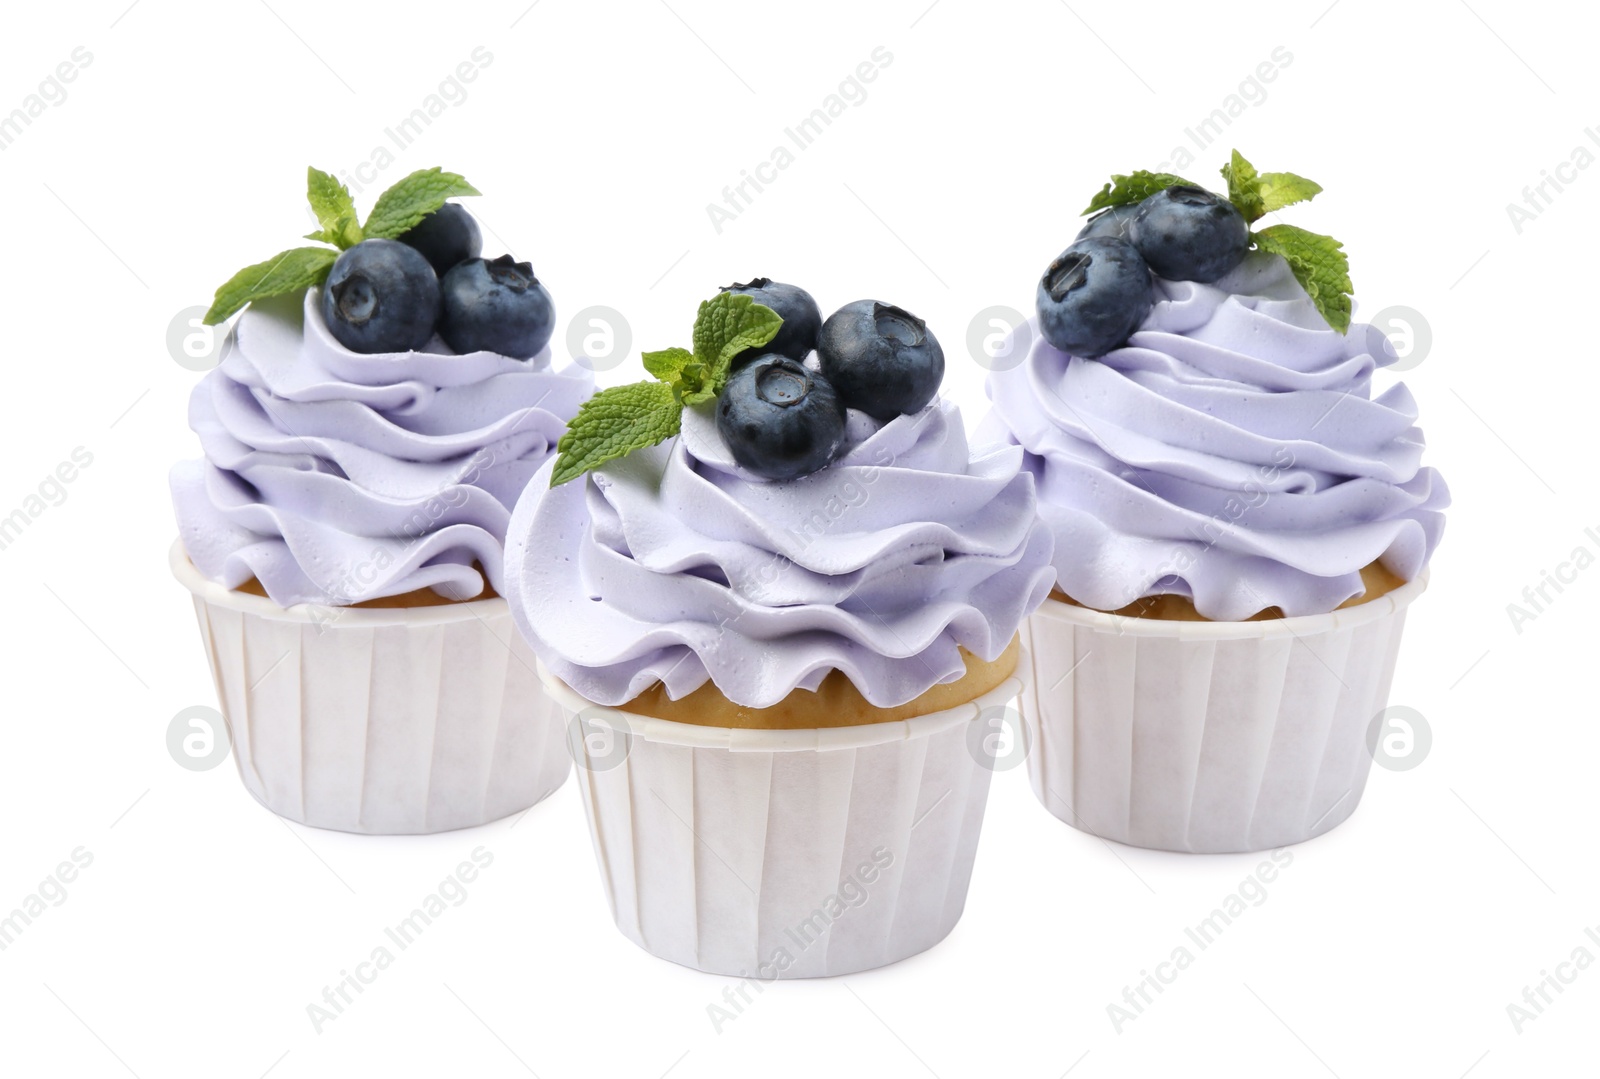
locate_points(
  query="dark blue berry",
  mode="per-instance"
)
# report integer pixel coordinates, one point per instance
(1093, 296)
(1115, 223)
(1186, 233)
(495, 306)
(882, 360)
(779, 418)
(381, 296)
(445, 237)
(797, 337)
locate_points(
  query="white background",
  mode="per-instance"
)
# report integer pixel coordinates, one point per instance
(599, 132)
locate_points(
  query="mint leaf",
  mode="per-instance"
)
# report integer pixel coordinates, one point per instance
(288, 271)
(1127, 190)
(1280, 189)
(335, 209)
(613, 423)
(411, 199)
(667, 363)
(1244, 187)
(1319, 264)
(725, 326)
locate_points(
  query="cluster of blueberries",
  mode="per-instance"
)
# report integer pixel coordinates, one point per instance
(394, 295)
(782, 418)
(1098, 291)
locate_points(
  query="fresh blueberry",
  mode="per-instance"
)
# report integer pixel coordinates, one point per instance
(1093, 296)
(1186, 233)
(1114, 223)
(883, 361)
(445, 237)
(801, 318)
(779, 418)
(495, 306)
(381, 296)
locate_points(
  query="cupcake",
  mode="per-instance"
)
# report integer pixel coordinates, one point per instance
(380, 406)
(1240, 521)
(780, 599)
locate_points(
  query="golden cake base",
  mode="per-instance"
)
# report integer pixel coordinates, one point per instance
(1375, 577)
(836, 703)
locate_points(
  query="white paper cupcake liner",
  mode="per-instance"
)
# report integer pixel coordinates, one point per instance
(384, 722)
(784, 854)
(1207, 736)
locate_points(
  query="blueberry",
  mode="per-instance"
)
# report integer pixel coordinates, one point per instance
(779, 418)
(883, 361)
(801, 318)
(381, 296)
(1186, 233)
(1093, 296)
(1114, 223)
(445, 237)
(495, 306)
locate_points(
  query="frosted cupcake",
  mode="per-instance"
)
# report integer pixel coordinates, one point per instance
(1240, 522)
(784, 624)
(365, 437)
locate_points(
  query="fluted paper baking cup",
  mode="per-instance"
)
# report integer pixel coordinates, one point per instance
(784, 854)
(1207, 736)
(397, 721)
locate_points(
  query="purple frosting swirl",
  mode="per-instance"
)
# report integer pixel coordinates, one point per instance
(672, 565)
(336, 477)
(1232, 452)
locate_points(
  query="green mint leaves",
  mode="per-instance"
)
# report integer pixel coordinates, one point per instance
(1130, 189)
(1318, 262)
(288, 271)
(1259, 193)
(398, 209)
(335, 209)
(613, 423)
(616, 421)
(1244, 187)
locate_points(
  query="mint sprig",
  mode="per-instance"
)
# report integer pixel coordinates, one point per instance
(397, 210)
(1318, 262)
(1130, 189)
(616, 421)
(402, 207)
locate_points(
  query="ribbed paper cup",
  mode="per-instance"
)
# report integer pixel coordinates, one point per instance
(1207, 736)
(380, 721)
(784, 854)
